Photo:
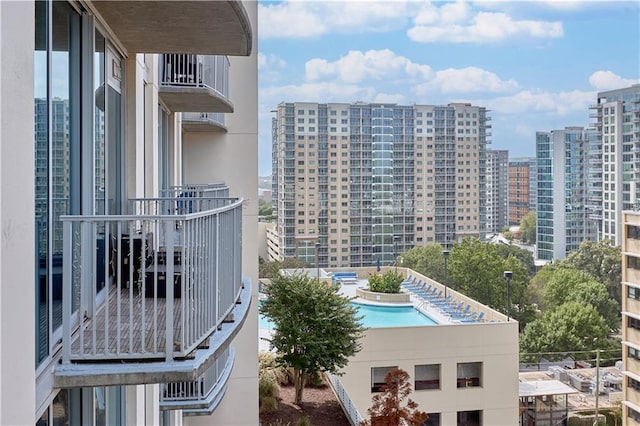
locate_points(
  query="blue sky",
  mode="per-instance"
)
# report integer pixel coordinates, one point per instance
(535, 65)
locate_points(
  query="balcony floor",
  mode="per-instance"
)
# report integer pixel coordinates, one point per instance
(129, 344)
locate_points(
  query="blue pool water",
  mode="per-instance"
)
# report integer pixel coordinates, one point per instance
(379, 316)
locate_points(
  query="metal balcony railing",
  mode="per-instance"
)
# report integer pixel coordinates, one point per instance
(208, 119)
(207, 190)
(151, 285)
(190, 70)
(202, 395)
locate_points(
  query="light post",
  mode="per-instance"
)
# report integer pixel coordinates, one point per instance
(395, 251)
(445, 254)
(508, 275)
(317, 263)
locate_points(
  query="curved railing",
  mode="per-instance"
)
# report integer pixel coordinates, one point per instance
(150, 285)
(189, 70)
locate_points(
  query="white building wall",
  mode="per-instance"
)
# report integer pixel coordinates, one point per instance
(495, 345)
(233, 158)
(17, 212)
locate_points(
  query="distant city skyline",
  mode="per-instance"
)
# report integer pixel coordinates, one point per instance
(536, 65)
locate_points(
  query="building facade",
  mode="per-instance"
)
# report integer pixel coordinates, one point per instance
(463, 373)
(631, 316)
(563, 180)
(119, 147)
(497, 190)
(367, 182)
(522, 187)
(615, 160)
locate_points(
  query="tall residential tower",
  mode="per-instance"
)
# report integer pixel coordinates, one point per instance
(563, 179)
(359, 183)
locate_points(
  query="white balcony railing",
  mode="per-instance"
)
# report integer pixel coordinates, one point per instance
(207, 190)
(200, 396)
(152, 285)
(188, 70)
(347, 405)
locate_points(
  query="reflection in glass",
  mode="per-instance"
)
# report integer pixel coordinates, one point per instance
(41, 179)
(64, 106)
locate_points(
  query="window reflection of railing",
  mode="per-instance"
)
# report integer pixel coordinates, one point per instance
(171, 272)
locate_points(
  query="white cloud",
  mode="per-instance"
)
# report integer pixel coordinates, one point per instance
(530, 101)
(465, 80)
(314, 18)
(316, 92)
(357, 66)
(607, 80)
(390, 98)
(456, 23)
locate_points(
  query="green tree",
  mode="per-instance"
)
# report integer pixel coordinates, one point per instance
(315, 329)
(264, 209)
(603, 261)
(387, 408)
(571, 327)
(523, 255)
(528, 228)
(426, 260)
(571, 285)
(271, 269)
(477, 270)
(538, 283)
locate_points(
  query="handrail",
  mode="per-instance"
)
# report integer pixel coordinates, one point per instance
(347, 405)
(142, 286)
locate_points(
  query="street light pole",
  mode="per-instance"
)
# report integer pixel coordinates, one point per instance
(395, 252)
(596, 422)
(317, 263)
(445, 254)
(508, 275)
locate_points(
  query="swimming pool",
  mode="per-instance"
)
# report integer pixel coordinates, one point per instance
(379, 316)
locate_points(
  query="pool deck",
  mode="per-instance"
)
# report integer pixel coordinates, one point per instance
(348, 290)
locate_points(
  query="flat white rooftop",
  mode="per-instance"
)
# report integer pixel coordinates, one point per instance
(544, 387)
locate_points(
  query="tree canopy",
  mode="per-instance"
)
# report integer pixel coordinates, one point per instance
(426, 260)
(571, 327)
(388, 409)
(602, 260)
(315, 328)
(528, 228)
(271, 269)
(572, 285)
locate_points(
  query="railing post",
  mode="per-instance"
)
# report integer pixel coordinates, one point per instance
(170, 226)
(67, 290)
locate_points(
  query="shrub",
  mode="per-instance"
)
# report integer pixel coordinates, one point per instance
(389, 282)
(268, 404)
(303, 421)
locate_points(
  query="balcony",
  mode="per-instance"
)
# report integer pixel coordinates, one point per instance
(151, 297)
(208, 27)
(201, 396)
(195, 83)
(203, 122)
(206, 190)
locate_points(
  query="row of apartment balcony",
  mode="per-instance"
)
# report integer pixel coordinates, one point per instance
(155, 296)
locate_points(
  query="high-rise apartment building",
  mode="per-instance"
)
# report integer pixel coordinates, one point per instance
(563, 180)
(630, 238)
(522, 188)
(122, 208)
(497, 190)
(357, 184)
(615, 160)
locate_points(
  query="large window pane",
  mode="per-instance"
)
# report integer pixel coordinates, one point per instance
(378, 375)
(41, 166)
(427, 376)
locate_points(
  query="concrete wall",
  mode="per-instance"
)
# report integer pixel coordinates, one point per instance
(495, 345)
(233, 158)
(17, 212)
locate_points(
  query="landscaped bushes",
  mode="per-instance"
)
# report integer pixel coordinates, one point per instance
(389, 282)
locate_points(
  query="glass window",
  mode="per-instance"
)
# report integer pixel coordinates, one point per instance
(469, 374)
(378, 375)
(470, 418)
(427, 376)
